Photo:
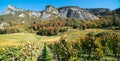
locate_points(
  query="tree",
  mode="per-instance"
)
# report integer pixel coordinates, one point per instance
(91, 44)
(104, 39)
(65, 51)
(46, 55)
(116, 21)
(115, 44)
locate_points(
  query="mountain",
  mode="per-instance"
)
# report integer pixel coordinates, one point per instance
(52, 12)
(64, 12)
(103, 11)
(116, 11)
(99, 11)
(11, 10)
(76, 12)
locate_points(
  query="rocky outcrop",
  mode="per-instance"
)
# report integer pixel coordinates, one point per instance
(22, 15)
(49, 12)
(3, 24)
(35, 13)
(75, 12)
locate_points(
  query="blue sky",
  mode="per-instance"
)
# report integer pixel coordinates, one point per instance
(40, 4)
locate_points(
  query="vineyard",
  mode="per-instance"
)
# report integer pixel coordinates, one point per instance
(14, 48)
(73, 45)
(67, 31)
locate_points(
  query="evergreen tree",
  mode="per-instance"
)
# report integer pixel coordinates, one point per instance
(46, 55)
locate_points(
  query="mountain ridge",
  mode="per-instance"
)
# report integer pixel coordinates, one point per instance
(65, 12)
(52, 12)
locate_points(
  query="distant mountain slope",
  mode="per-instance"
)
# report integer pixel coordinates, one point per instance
(99, 11)
(103, 11)
(116, 11)
(52, 12)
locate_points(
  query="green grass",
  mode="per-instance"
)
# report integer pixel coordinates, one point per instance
(16, 38)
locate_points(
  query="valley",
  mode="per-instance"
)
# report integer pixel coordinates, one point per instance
(68, 33)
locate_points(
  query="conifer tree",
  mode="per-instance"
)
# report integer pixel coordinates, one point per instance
(46, 55)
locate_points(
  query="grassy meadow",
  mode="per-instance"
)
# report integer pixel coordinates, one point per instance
(16, 38)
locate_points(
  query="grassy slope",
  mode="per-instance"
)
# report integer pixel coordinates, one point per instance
(16, 38)
(73, 35)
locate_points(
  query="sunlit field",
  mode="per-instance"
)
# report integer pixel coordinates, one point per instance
(20, 43)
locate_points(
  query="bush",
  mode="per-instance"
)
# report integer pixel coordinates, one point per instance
(9, 30)
(63, 29)
(50, 31)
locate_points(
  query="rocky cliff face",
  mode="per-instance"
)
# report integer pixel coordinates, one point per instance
(52, 12)
(49, 12)
(11, 10)
(99, 11)
(3, 24)
(75, 12)
(66, 12)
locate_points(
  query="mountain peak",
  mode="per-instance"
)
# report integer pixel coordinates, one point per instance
(49, 7)
(10, 6)
(11, 10)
